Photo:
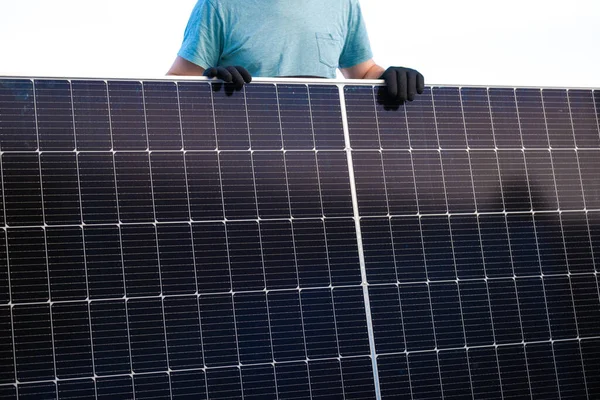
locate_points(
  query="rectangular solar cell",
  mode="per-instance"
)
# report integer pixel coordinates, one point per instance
(297, 239)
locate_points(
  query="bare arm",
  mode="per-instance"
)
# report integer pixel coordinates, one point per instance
(364, 70)
(183, 67)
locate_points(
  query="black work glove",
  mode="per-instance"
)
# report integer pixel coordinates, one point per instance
(403, 84)
(236, 75)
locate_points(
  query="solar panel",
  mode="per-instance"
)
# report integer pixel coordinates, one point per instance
(174, 240)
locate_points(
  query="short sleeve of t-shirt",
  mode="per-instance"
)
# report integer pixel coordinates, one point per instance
(357, 47)
(203, 38)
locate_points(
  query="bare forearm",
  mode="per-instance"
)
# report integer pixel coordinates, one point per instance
(374, 72)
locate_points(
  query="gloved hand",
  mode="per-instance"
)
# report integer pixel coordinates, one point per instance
(236, 75)
(403, 83)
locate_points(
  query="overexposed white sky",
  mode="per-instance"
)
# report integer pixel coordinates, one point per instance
(483, 42)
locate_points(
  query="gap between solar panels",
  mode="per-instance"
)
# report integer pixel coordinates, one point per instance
(297, 239)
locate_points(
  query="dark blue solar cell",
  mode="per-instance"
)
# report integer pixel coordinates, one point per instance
(128, 121)
(117, 388)
(550, 243)
(292, 381)
(319, 323)
(447, 315)
(362, 119)
(523, 245)
(399, 182)
(163, 122)
(485, 373)
(590, 351)
(420, 118)
(335, 183)
(378, 250)
(239, 193)
(408, 249)
(505, 120)
(28, 265)
(558, 118)
(532, 305)
(589, 165)
(252, 328)
(182, 329)
(134, 187)
(188, 385)
(7, 367)
(478, 122)
(17, 115)
(532, 118)
(583, 117)
(72, 341)
(326, 117)
(75, 390)
(263, 117)
(357, 374)
(386, 316)
(342, 252)
(458, 181)
(477, 319)
(594, 230)
(311, 253)
(351, 322)
(204, 186)
(197, 117)
(425, 375)
(431, 196)
(259, 382)
(37, 391)
(224, 383)
(218, 331)
(140, 260)
(230, 118)
(103, 262)
(506, 315)
(66, 264)
(54, 111)
(326, 379)
(295, 116)
(245, 257)
(437, 242)
(455, 373)
(513, 372)
(303, 184)
(515, 189)
(34, 354)
(4, 274)
(449, 118)
(277, 243)
(370, 183)
(60, 188)
(569, 369)
(97, 187)
(568, 180)
(287, 332)
(466, 246)
(542, 371)
(394, 381)
(486, 180)
(391, 120)
(541, 180)
(148, 387)
(559, 300)
(22, 189)
(577, 242)
(147, 335)
(496, 250)
(271, 184)
(169, 186)
(587, 305)
(92, 123)
(417, 318)
(110, 337)
(175, 253)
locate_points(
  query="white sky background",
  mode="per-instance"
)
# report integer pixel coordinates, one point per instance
(483, 42)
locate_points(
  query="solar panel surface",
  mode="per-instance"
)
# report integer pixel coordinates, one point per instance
(173, 240)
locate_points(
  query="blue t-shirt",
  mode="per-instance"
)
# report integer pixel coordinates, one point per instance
(277, 37)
